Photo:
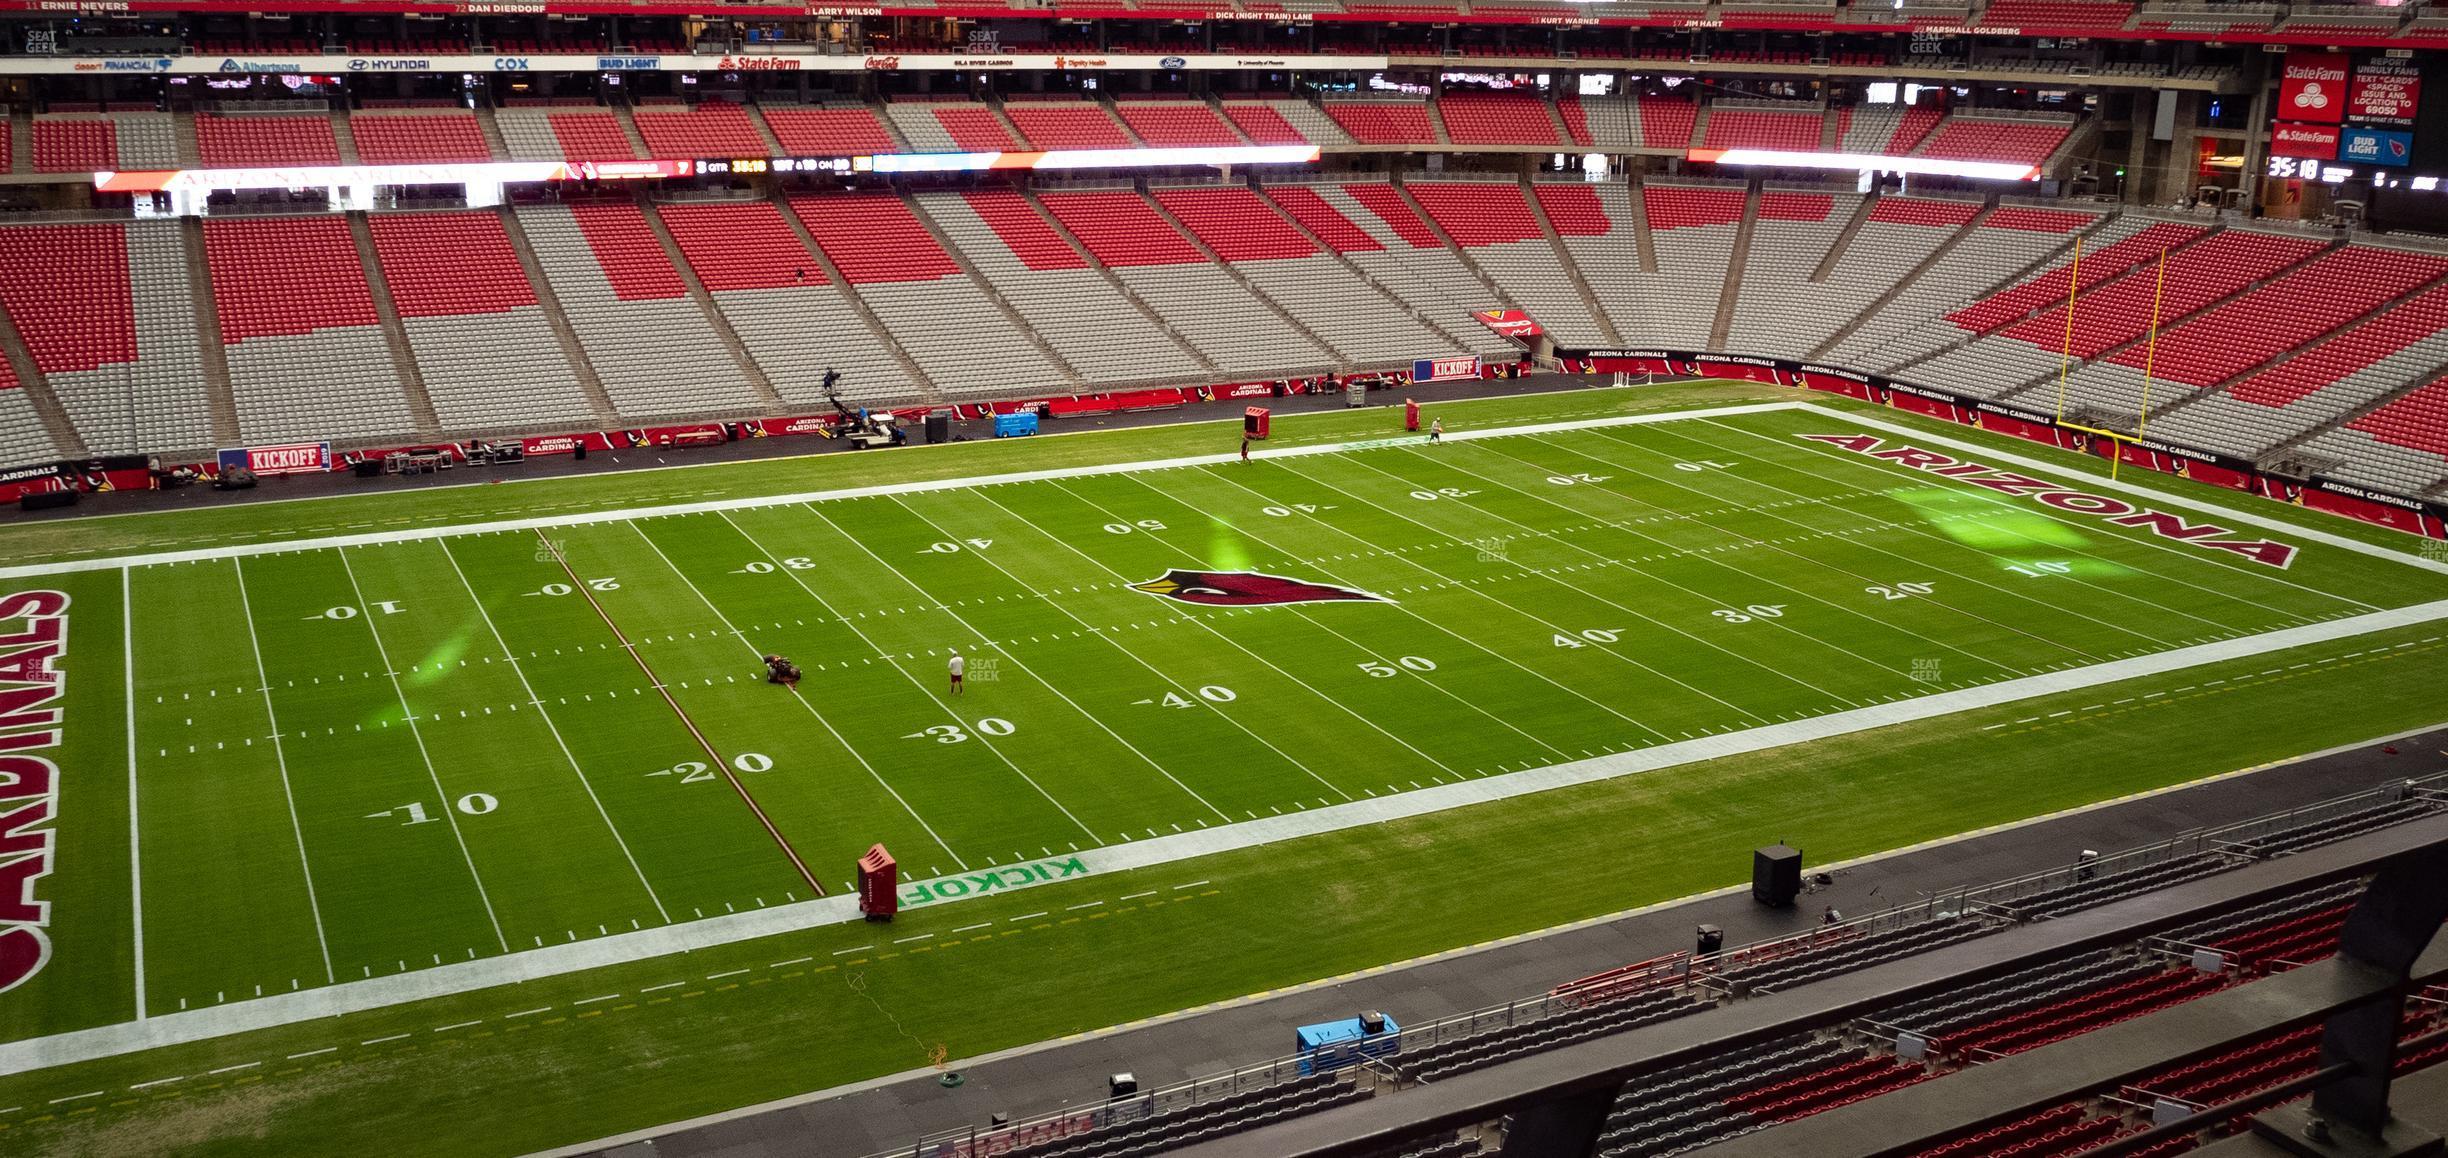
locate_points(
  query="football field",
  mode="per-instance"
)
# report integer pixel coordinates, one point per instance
(310, 769)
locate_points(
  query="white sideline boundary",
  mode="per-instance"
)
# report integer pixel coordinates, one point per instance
(440, 488)
(552, 961)
(581, 1149)
(621, 948)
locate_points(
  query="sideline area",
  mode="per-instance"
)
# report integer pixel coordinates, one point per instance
(872, 1116)
(357, 996)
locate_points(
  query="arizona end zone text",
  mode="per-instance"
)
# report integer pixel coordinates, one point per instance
(2208, 536)
(30, 687)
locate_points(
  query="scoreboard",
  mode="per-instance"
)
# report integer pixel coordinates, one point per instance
(760, 166)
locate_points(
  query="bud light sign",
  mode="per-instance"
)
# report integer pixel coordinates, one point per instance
(287, 458)
(2359, 146)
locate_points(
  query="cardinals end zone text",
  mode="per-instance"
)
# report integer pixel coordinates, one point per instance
(2267, 552)
(30, 687)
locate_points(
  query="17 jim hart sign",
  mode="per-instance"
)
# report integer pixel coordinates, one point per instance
(33, 639)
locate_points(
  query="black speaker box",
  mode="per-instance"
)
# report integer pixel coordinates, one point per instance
(47, 500)
(1776, 875)
(368, 468)
(939, 427)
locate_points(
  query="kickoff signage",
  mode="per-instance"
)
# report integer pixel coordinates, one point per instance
(1454, 369)
(286, 458)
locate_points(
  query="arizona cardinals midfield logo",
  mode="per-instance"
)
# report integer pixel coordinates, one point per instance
(1247, 589)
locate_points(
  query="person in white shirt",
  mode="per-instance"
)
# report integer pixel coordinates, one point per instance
(957, 665)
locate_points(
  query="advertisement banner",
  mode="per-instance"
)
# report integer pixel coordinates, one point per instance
(1445, 369)
(287, 458)
(1511, 323)
(2309, 142)
(2312, 87)
(565, 443)
(2361, 146)
(335, 66)
(2386, 92)
(1743, 369)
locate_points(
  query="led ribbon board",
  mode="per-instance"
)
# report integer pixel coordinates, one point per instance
(519, 172)
(1868, 162)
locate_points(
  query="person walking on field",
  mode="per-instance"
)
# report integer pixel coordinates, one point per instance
(957, 666)
(1245, 448)
(1436, 430)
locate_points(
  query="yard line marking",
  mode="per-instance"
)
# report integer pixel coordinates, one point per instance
(1989, 499)
(1060, 694)
(975, 927)
(295, 1008)
(1656, 577)
(233, 1069)
(1704, 519)
(855, 754)
(1551, 624)
(1408, 561)
(1017, 920)
(1191, 885)
(521, 672)
(1183, 614)
(448, 813)
(1528, 530)
(457, 1025)
(280, 758)
(1130, 897)
(162, 1081)
(533, 1012)
(862, 948)
(314, 1052)
(77, 1097)
(580, 586)
(127, 644)
(2264, 522)
(380, 1040)
(919, 937)
(804, 960)
(613, 996)
(1134, 657)
(1800, 498)
(665, 985)
(1076, 908)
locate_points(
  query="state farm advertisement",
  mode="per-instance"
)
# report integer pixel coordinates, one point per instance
(2310, 142)
(2313, 87)
(2386, 92)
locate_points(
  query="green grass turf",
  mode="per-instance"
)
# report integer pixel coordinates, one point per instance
(578, 815)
